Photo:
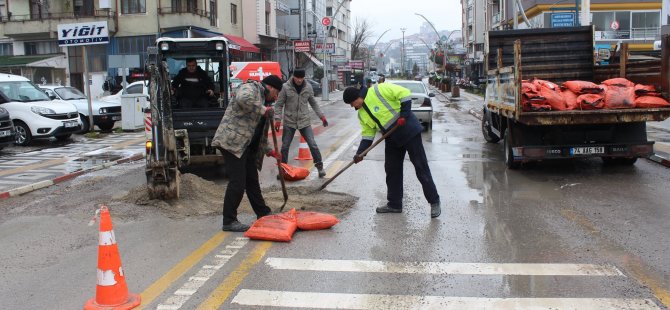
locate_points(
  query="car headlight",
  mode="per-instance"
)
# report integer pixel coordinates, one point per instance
(3, 110)
(42, 110)
(103, 111)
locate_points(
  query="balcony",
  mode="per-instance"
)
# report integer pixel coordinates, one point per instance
(184, 16)
(35, 26)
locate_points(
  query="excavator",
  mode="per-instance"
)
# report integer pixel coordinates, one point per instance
(181, 136)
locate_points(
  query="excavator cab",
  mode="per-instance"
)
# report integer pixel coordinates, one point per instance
(182, 133)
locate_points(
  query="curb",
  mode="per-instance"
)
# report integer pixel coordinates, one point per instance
(46, 183)
(660, 160)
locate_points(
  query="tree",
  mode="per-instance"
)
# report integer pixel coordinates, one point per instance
(361, 34)
(415, 69)
(318, 74)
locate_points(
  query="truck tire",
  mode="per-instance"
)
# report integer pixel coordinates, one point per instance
(509, 156)
(106, 126)
(488, 134)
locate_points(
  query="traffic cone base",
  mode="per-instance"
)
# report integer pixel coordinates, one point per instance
(303, 150)
(111, 291)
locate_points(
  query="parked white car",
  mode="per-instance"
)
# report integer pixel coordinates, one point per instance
(35, 116)
(105, 114)
(138, 87)
(422, 105)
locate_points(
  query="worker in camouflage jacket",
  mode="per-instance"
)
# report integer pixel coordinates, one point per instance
(242, 139)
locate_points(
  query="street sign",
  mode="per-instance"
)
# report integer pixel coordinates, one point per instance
(562, 20)
(443, 39)
(356, 64)
(325, 21)
(614, 25)
(302, 46)
(83, 33)
(328, 48)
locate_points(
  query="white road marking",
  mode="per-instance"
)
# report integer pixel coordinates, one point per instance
(182, 295)
(442, 267)
(261, 298)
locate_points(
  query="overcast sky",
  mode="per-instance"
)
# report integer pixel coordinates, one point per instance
(390, 14)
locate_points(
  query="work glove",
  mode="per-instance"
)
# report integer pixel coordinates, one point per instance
(357, 158)
(277, 125)
(401, 121)
(324, 121)
(269, 111)
(274, 154)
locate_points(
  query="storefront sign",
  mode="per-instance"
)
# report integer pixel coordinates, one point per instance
(83, 33)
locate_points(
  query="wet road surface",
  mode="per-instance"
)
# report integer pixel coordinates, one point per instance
(554, 235)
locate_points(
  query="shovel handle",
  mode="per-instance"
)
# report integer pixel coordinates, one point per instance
(270, 118)
(384, 136)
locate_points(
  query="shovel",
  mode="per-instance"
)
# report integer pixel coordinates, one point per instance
(388, 133)
(281, 173)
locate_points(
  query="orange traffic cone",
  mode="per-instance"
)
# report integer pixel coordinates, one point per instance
(111, 291)
(303, 150)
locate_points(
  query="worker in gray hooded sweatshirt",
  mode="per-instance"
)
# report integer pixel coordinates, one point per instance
(292, 109)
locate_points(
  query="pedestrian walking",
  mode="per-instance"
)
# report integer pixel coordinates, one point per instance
(293, 111)
(380, 108)
(242, 138)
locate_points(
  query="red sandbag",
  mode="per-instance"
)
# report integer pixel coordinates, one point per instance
(591, 101)
(529, 89)
(619, 97)
(308, 220)
(535, 104)
(292, 173)
(570, 99)
(646, 90)
(553, 97)
(651, 102)
(276, 227)
(542, 83)
(618, 82)
(582, 87)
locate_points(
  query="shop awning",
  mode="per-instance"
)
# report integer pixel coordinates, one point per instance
(314, 59)
(28, 61)
(242, 44)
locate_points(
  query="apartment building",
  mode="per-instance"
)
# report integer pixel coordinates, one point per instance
(28, 38)
(474, 30)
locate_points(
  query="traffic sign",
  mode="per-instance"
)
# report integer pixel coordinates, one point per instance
(443, 39)
(325, 21)
(614, 25)
(562, 20)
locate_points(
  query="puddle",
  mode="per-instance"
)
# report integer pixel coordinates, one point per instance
(88, 161)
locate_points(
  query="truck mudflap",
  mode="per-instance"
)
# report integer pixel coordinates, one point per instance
(534, 153)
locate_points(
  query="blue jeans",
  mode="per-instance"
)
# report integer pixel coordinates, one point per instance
(308, 134)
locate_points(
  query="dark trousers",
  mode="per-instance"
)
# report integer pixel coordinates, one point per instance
(308, 134)
(243, 176)
(395, 156)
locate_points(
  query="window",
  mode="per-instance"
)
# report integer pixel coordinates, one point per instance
(233, 14)
(84, 8)
(135, 45)
(6, 49)
(267, 23)
(37, 10)
(41, 48)
(133, 6)
(212, 13)
(646, 25)
(184, 6)
(97, 58)
(329, 11)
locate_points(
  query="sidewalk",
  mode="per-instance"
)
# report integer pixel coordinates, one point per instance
(25, 172)
(659, 132)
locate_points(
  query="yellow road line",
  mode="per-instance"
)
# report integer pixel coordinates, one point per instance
(230, 284)
(34, 166)
(335, 167)
(158, 287)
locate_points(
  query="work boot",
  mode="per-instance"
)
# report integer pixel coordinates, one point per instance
(387, 209)
(319, 168)
(235, 226)
(435, 210)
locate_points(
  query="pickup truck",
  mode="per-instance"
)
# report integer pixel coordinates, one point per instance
(618, 136)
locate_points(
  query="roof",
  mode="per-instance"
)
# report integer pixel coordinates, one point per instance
(243, 44)
(22, 60)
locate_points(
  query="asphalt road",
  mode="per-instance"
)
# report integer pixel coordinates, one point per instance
(554, 235)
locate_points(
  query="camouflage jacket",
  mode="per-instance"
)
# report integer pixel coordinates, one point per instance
(292, 108)
(242, 116)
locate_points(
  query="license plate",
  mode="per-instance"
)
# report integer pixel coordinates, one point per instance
(587, 150)
(116, 118)
(70, 124)
(5, 133)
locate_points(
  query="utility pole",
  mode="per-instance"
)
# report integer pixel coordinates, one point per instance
(402, 52)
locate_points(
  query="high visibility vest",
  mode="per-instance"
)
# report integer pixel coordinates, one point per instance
(383, 101)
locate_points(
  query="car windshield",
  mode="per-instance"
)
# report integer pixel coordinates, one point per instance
(69, 93)
(413, 87)
(22, 91)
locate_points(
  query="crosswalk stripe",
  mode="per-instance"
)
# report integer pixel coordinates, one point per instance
(261, 298)
(442, 267)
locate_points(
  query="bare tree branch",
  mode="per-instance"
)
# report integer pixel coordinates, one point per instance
(362, 33)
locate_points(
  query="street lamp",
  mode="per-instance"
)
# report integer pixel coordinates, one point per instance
(375, 45)
(444, 53)
(402, 53)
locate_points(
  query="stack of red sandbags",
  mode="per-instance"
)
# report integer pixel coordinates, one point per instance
(617, 93)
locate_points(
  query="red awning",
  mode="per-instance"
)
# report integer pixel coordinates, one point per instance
(241, 44)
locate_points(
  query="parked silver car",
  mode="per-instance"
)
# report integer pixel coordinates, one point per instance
(422, 105)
